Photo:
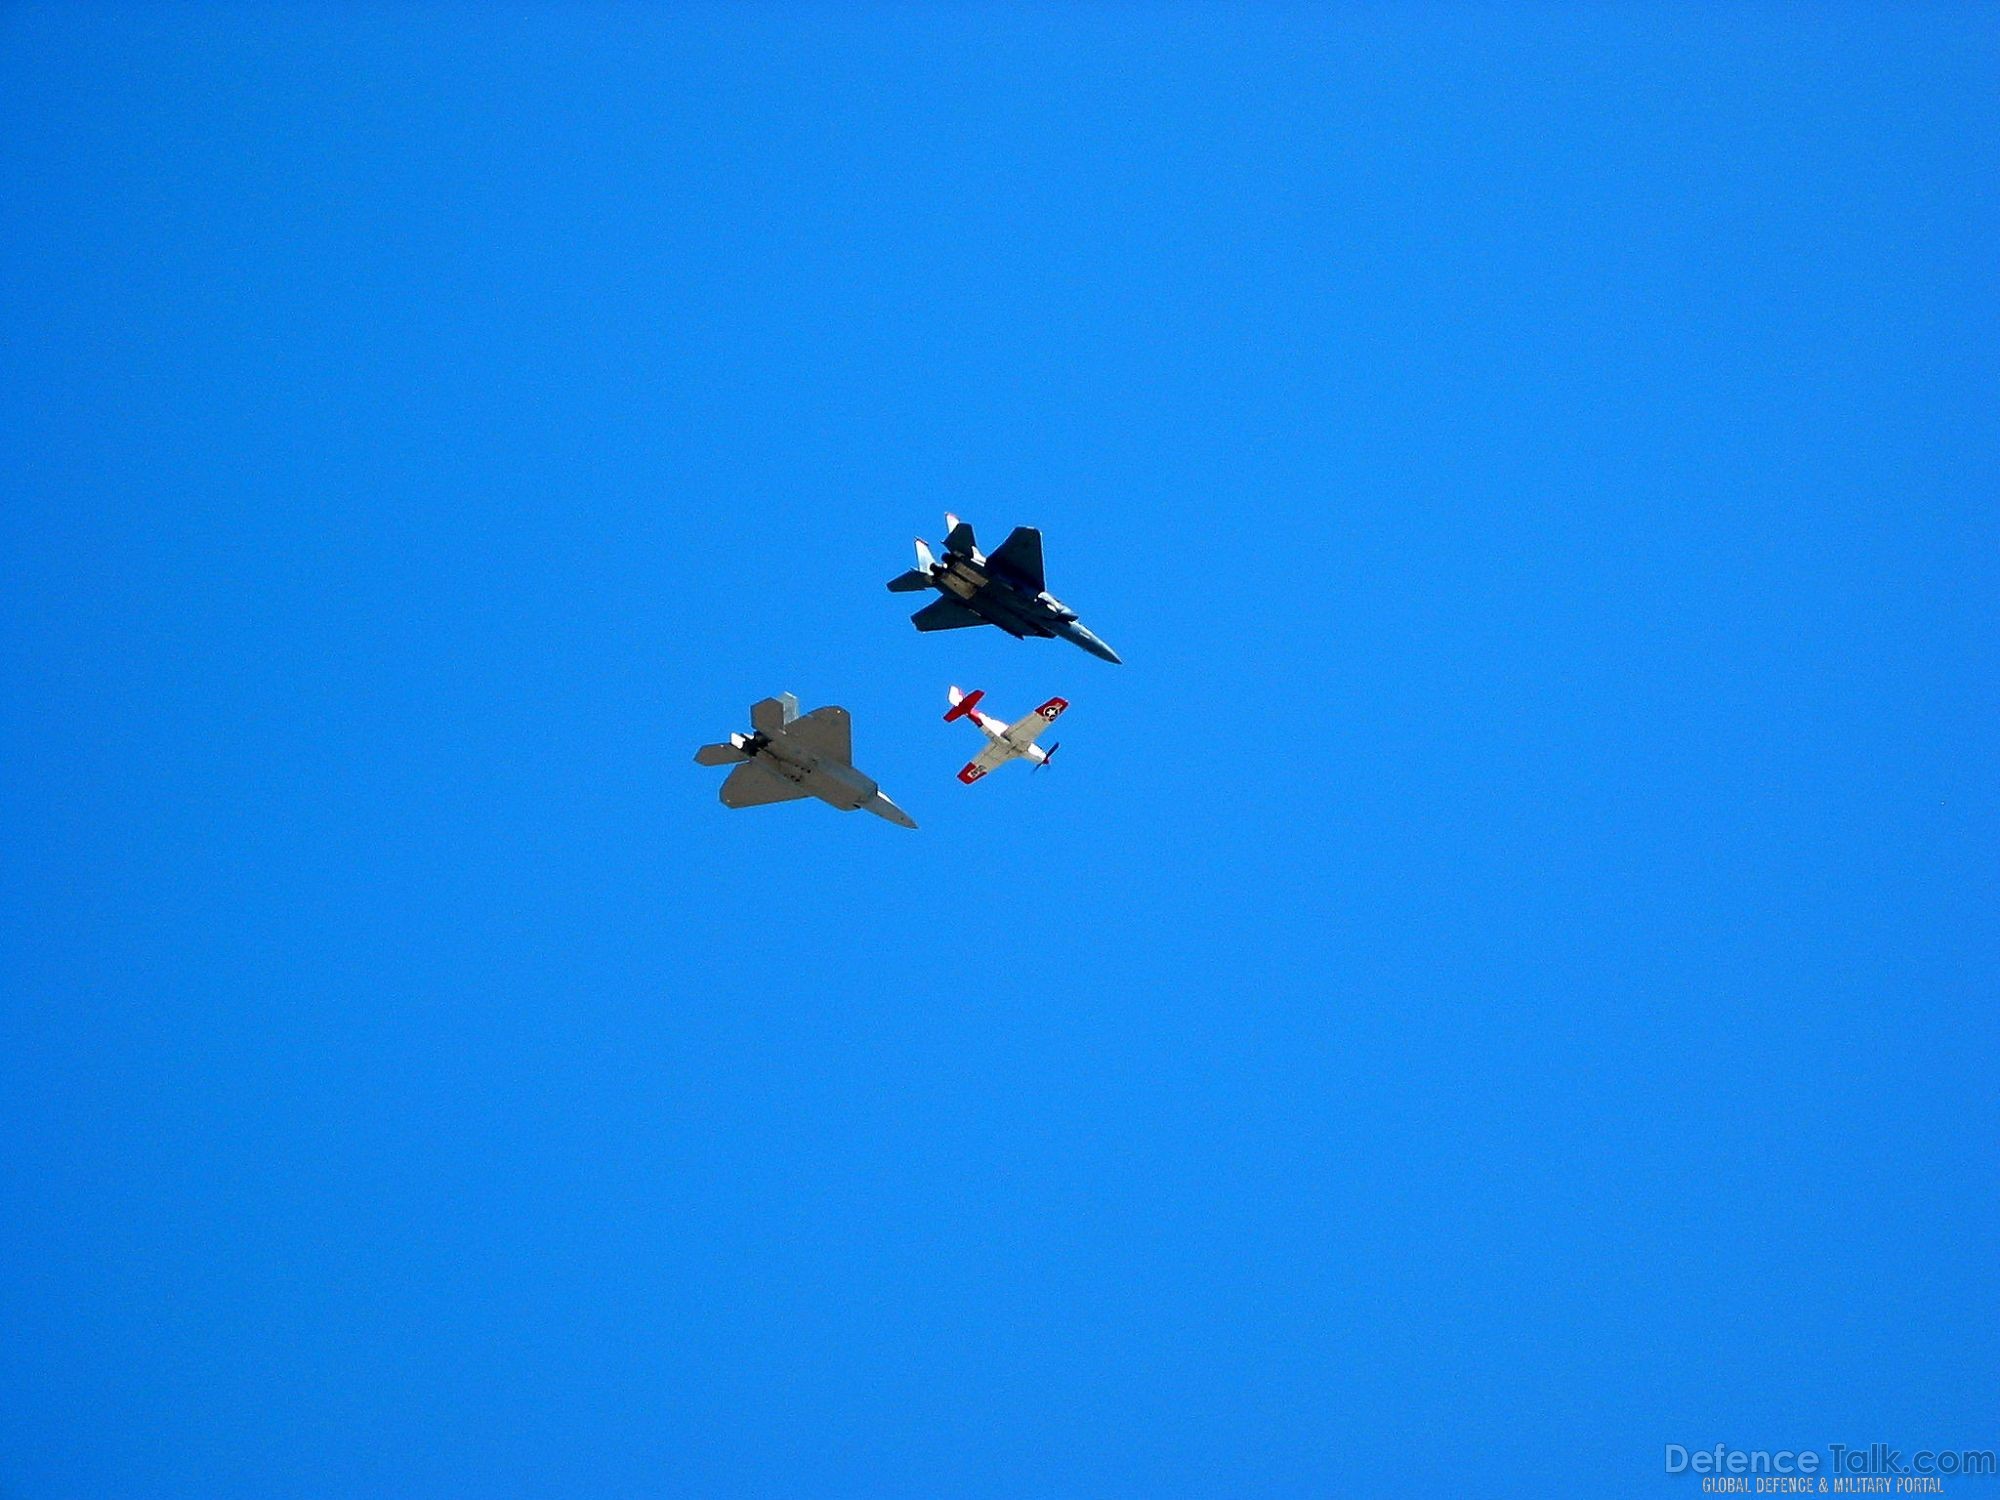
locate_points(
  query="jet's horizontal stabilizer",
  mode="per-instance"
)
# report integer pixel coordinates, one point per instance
(719, 755)
(963, 704)
(913, 582)
(945, 614)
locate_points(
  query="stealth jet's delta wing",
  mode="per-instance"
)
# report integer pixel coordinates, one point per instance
(787, 756)
(1005, 741)
(1005, 589)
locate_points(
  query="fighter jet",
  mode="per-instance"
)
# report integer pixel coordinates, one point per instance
(1005, 589)
(1005, 741)
(788, 755)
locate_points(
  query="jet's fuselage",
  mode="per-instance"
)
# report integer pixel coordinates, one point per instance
(999, 600)
(825, 778)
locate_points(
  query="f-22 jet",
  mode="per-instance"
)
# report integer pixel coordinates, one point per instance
(1006, 589)
(788, 755)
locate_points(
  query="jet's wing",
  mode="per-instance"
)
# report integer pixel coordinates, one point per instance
(1021, 733)
(996, 754)
(753, 786)
(1020, 558)
(945, 614)
(828, 731)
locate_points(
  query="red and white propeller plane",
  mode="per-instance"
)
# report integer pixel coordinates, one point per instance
(1005, 741)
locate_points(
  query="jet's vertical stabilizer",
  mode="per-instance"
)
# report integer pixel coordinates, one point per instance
(921, 577)
(959, 538)
(769, 716)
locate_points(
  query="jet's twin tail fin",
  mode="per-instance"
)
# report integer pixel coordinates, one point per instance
(918, 577)
(959, 538)
(771, 715)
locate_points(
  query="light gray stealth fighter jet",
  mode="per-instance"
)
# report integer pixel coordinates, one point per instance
(788, 755)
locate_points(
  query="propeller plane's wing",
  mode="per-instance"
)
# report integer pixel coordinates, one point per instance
(1023, 731)
(996, 753)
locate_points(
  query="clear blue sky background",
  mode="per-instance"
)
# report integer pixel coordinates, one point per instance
(1501, 981)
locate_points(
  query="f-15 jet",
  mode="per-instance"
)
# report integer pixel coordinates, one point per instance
(1005, 741)
(1006, 589)
(788, 755)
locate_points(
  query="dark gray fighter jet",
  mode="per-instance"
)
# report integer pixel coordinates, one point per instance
(788, 755)
(1005, 589)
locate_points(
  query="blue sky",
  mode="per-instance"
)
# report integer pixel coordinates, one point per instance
(1500, 981)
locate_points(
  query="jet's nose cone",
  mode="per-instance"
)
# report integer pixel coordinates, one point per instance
(1094, 646)
(882, 807)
